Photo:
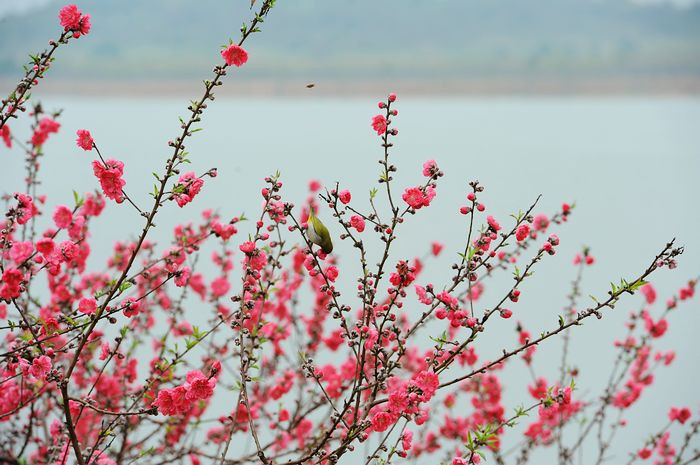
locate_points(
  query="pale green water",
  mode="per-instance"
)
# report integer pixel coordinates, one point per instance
(631, 164)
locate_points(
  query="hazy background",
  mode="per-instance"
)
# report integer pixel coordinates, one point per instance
(586, 101)
(434, 46)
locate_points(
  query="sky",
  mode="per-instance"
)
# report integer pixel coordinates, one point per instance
(20, 7)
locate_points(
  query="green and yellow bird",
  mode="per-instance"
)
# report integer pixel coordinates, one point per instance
(318, 233)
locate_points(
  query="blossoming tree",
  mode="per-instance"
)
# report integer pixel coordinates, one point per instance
(303, 373)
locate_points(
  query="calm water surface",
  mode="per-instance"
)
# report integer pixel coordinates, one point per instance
(632, 166)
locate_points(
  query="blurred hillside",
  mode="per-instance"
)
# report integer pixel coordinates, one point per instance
(370, 39)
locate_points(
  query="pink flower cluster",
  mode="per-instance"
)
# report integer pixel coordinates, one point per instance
(430, 168)
(180, 400)
(404, 275)
(522, 232)
(550, 243)
(67, 252)
(130, 307)
(46, 127)
(552, 414)
(523, 337)
(11, 283)
(87, 305)
(72, 19)
(255, 258)
(357, 222)
(6, 136)
(234, 55)
(406, 440)
(587, 259)
(418, 197)
(62, 216)
(187, 187)
(649, 293)
(483, 242)
(473, 458)
(640, 377)
(664, 450)
(422, 294)
(224, 231)
(110, 176)
(344, 196)
(379, 124)
(40, 367)
(21, 251)
(655, 328)
(687, 292)
(681, 415)
(451, 310)
(540, 222)
(405, 399)
(85, 140)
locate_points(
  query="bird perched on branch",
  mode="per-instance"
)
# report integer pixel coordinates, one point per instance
(318, 233)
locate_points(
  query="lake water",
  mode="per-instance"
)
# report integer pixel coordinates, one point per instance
(631, 164)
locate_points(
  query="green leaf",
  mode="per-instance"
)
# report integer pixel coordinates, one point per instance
(441, 340)
(78, 199)
(636, 285)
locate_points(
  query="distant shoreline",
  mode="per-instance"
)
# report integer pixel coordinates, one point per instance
(665, 85)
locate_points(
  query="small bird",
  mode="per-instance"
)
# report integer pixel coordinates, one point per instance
(318, 233)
